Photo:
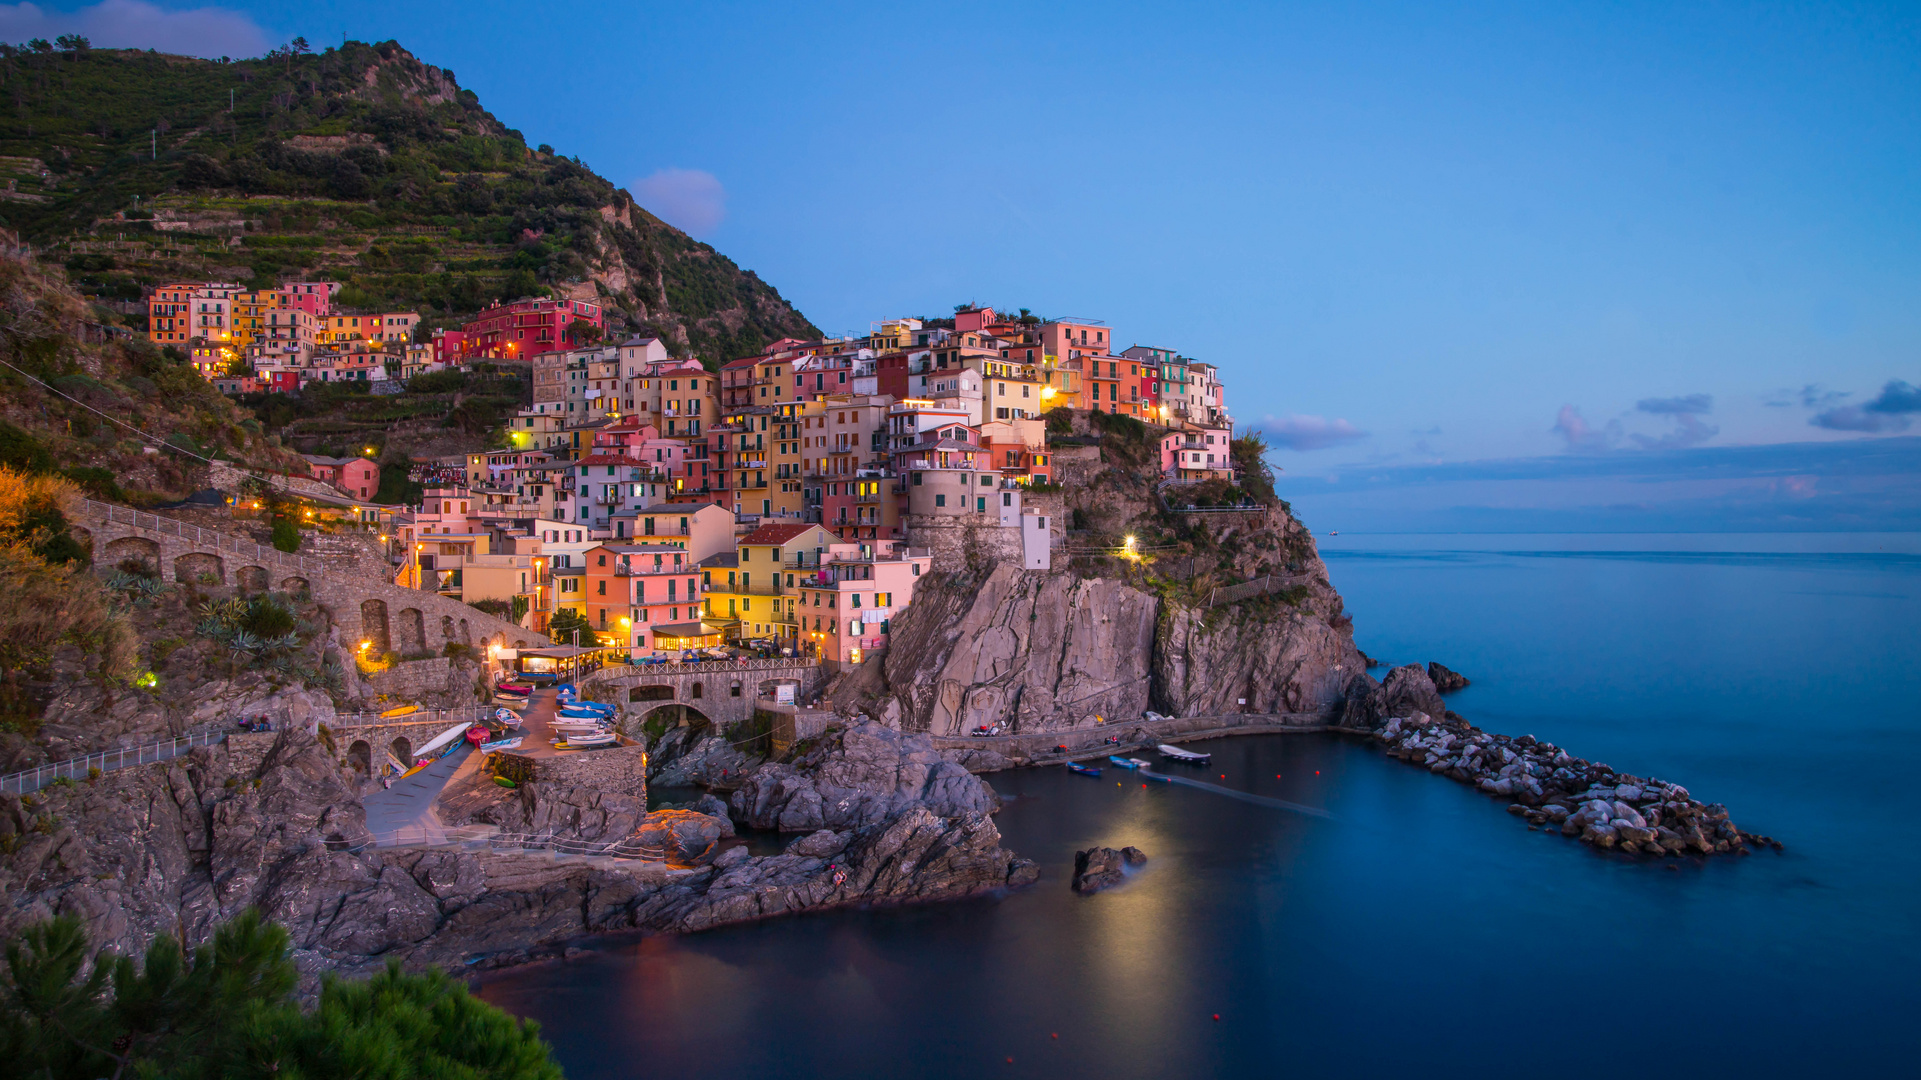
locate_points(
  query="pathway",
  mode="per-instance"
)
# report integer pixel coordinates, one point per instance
(404, 813)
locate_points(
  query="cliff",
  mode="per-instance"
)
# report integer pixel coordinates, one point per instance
(182, 846)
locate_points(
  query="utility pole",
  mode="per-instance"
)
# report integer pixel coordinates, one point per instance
(156, 144)
(229, 99)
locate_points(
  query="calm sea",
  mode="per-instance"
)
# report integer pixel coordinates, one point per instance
(1419, 930)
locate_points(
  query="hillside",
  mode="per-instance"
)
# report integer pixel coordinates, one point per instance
(129, 422)
(359, 164)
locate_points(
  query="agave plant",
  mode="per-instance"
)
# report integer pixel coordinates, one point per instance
(243, 642)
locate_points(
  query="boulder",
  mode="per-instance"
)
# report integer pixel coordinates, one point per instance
(684, 835)
(1444, 680)
(1098, 868)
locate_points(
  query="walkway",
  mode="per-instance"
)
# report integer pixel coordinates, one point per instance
(536, 737)
(404, 813)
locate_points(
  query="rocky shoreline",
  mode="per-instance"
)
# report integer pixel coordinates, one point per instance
(1550, 787)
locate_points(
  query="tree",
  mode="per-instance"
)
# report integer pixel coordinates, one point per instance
(228, 1010)
(286, 534)
(1250, 457)
(565, 621)
(582, 332)
(73, 43)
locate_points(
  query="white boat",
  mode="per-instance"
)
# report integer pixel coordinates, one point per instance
(1179, 754)
(579, 742)
(1139, 764)
(575, 725)
(512, 701)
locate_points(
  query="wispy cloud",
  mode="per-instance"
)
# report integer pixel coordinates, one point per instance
(1677, 406)
(1886, 412)
(1689, 428)
(1300, 432)
(1582, 437)
(135, 24)
(692, 200)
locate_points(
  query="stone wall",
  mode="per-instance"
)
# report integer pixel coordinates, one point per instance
(620, 770)
(415, 678)
(975, 540)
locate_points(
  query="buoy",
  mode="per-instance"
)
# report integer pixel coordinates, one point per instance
(1010, 1061)
(1056, 1035)
(1217, 1016)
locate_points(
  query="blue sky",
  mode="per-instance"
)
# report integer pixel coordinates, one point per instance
(1409, 233)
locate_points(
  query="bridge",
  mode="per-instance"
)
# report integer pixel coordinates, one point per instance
(408, 621)
(723, 691)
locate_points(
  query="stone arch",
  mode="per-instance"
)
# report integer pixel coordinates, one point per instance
(196, 566)
(410, 634)
(684, 714)
(360, 755)
(137, 548)
(296, 585)
(446, 628)
(466, 635)
(519, 643)
(403, 750)
(253, 579)
(693, 693)
(651, 693)
(373, 626)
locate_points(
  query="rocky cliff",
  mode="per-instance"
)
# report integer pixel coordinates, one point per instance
(1109, 637)
(180, 847)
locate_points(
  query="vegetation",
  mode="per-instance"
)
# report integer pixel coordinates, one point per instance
(358, 164)
(227, 1010)
(1257, 478)
(561, 627)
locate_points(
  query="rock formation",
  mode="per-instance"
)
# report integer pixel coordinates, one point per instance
(1445, 681)
(181, 846)
(1103, 868)
(1549, 787)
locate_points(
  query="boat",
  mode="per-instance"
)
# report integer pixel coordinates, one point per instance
(576, 723)
(1188, 756)
(1084, 770)
(583, 714)
(566, 691)
(404, 710)
(588, 706)
(502, 744)
(1139, 764)
(507, 717)
(581, 742)
(503, 782)
(1125, 763)
(517, 704)
(514, 688)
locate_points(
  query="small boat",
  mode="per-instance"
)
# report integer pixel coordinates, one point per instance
(566, 691)
(517, 704)
(403, 710)
(583, 714)
(581, 742)
(1126, 763)
(478, 734)
(1139, 764)
(507, 717)
(575, 722)
(502, 744)
(1084, 770)
(1188, 756)
(514, 688)
(588, 706)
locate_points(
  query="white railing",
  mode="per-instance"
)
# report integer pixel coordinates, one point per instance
(21, 783)
(472, 714)
(745, 663)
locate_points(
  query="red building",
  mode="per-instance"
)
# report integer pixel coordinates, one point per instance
(890, 369)
(518, 330)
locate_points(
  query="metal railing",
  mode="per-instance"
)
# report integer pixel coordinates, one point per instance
(21, 783)
(438, 717)
(211, 538)
(675, 667)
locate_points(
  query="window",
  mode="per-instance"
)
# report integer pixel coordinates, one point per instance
(940, 500)
(601, 587)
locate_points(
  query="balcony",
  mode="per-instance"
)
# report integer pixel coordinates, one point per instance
(664, 570)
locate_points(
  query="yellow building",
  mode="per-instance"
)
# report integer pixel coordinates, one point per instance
(250, 316)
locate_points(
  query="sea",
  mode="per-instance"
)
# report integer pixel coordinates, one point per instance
(1409, 926)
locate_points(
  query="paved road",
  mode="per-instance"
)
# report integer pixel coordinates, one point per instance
(404, 813)
(536, 737)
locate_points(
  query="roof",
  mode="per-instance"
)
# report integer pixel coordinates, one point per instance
(678, 508)
(629, 549)
(725, 560)
(607, 459)
(685, 630)
(638, 340)
(743, 362)
(778, 533)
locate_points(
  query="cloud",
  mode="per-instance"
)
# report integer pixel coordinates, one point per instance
(1582, 437)
(1298, 432)
(1886, 412)
(691, 200)
(1677, 406)
(135, 24)
(1689, 430)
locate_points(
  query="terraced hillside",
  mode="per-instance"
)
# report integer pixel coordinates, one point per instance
(359, 164)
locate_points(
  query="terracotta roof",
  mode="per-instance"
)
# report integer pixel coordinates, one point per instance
(777, 534)
(607, 459)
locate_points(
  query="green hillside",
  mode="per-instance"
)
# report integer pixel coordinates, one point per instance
(358, 164)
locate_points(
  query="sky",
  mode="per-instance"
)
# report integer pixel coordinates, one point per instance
(1411, 235)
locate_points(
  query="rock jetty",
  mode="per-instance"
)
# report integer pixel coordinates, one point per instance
(1103, 867)
(1445, 679)
(1554, 789)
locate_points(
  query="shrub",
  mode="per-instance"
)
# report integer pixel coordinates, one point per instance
(286, 535)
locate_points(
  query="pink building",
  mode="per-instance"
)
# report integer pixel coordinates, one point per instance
(848, 605)
(313, 297)
(1070, 338)
(355, 477)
